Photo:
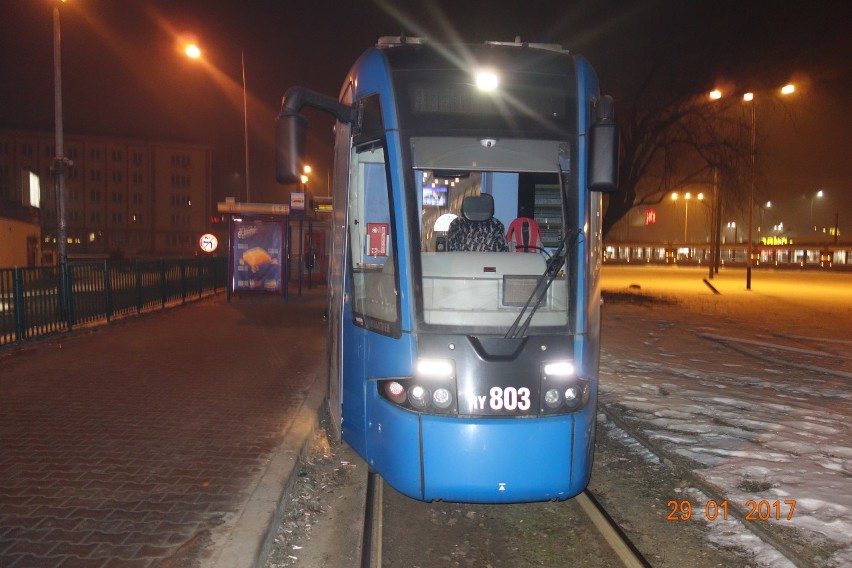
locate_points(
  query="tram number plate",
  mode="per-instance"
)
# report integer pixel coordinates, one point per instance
(500, 399)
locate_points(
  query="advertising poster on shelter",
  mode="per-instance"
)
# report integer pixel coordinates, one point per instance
(257, 255)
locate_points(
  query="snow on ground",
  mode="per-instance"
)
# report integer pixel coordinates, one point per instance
(754, 388)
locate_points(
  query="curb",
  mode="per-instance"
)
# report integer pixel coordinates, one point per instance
(248, 543)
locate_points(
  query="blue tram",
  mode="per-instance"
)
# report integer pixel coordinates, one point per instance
(466, 249)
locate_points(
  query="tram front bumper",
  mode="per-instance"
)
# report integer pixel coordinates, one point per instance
(509, 460)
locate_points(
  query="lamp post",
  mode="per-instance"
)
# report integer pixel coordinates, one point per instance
(749, 97)
(686, 197)
(60, 160)
(194, 52)
(819, 193)
(245, 121)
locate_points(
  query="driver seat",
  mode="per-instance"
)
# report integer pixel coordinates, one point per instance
(477, 229)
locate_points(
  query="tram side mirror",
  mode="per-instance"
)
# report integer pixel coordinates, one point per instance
(603, 148)
(290, 132)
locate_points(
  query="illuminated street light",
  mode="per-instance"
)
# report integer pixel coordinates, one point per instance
(750, 98)
(686, 197)
(819, 194)
(193, 51)
(305, 178)
(733, 225)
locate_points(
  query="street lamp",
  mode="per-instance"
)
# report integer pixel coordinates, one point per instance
(305, 178)
(819, 193)
(733, 225)
(686, 197)
(193, 51)
(750, 98)
(60, 161)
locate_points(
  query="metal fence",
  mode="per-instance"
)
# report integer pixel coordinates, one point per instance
(38, 301)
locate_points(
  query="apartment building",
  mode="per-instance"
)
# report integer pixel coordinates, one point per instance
(123, 197)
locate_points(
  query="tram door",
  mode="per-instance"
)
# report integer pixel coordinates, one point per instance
(371, 319)
(336, 274)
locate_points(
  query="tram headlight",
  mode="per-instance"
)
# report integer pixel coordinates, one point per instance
(552, 398)
(418, 397)
(436, 368)
(559, 369)
(442, 398)
(571, 394)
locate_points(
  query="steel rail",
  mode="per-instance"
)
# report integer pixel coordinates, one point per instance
(625, 550)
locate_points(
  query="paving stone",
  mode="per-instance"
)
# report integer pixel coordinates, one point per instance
(131, 444)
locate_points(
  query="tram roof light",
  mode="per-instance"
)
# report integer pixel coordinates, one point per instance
(486, 80)
(434, 368)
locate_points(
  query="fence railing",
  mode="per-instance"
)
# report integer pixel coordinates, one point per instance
(38, 301)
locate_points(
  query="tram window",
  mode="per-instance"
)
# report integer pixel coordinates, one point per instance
(373, 262)
(485, 290)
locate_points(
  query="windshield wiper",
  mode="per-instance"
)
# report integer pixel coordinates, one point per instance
(554, 265)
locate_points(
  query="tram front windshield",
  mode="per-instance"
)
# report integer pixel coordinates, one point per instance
(498, 224)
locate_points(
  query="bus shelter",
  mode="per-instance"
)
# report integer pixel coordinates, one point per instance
(258, 248)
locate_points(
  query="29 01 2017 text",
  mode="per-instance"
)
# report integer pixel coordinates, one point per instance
(757, 510)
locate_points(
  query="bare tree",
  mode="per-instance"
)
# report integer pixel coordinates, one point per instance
(674, 135)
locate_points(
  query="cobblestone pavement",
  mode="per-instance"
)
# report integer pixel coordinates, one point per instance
(144, 442)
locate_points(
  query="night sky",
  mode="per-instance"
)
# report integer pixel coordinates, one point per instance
(123, 73)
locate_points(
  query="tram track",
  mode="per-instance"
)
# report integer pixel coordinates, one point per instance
(789, 355)
(607, 528)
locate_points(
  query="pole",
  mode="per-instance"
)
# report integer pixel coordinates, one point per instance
(836, 225)
(812, 214)
(717, 255)
(713, 237)
(59, 160)
(59, 172)
(751, 194)
(245, 122)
